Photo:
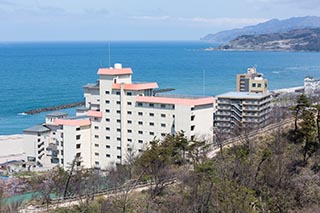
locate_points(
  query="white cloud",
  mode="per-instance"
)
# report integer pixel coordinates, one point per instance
(151, 18)
(305, 4)
(224, 21)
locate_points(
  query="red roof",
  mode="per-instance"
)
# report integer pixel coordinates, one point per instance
(178, 101)
(83, 122)
(92, 113)
(142, 86)
(114, 71)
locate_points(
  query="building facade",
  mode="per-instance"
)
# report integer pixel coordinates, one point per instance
(242, 109)
(311, 85)
(252, 82)
(120, 117)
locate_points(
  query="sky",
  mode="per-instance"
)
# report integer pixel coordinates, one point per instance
(109, 20)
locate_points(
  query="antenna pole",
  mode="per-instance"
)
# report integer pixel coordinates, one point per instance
(203, 82)
(109, 54)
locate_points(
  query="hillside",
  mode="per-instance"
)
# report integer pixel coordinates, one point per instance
(271, 26)
(294, 40)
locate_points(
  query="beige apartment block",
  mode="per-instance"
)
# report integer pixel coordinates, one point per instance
(252, 82)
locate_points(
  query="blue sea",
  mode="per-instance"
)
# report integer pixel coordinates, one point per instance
(35, 75)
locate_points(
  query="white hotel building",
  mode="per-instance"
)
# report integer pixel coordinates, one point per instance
(119, 117)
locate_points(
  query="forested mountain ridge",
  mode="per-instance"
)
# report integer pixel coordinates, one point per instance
(294, 40)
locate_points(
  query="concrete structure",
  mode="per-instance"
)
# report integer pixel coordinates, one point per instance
(236, 109)
(126, 116)
(119, 117)
(311, 85)
(252, 82)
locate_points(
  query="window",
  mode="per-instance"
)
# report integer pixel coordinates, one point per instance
(78, 154)
(96, 154)
(108, 119)
(107, 102)
(253, 84)
(129, 140)
(140, 141)
(151, 124)
(117, 93)
(129, 93)
(192, 108)
(118, 139)
(151, 114)
(140, 122)
(78, 163)
(96, 127)
(140, 113)
(129, 130)
(163, 115)
(259, 85)
(96, 145)
(108, 110)
(96, 162)
(78, 129)
(78, 146)
(96, 136)
(129, 112)
(108, 155)
(108, 146)
(108, 137)
(151, 133)
(163, 106)
(39, 139)
(140, 132)
(118, 102)
(163, 134)
(119, 157)
(140, 104)
(192, 127)
(108, 128)
(192, 117)
(118, 148)
(77, 137)
(118, 120)
(129, 149)
(129, 121)
(129, 103)
(107, 92)
(163, 125)
(192, 137)
(118, 130)
(151, 105)
(118, 111)
(140, 150)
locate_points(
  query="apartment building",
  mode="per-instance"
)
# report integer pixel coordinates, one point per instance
(126, 116)
(244, 109)
(311, 85)
(252, 82)
(120, 117)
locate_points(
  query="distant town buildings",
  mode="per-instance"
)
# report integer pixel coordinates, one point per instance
(119, 118)
(252, 82)
(311, 85)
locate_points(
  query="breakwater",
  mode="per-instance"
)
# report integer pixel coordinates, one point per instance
(54, 108)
